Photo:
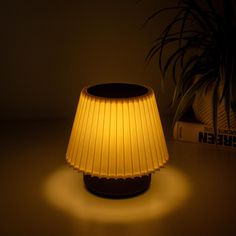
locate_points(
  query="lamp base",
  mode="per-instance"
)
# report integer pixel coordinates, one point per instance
(117, 188)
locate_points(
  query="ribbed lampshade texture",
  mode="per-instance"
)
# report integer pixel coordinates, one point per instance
(117, 137)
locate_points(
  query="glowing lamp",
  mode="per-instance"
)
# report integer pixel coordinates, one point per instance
(117, 139)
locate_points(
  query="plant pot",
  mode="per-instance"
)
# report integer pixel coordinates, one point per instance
(202, 107)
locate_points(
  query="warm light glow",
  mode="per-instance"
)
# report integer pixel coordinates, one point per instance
(117, 137)
(169, 190)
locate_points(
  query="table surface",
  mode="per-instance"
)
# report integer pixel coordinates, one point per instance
(193, 195)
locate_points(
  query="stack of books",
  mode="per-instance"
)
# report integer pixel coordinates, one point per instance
(188, 129)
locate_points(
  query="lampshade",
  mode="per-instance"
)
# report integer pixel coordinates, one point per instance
(117, 132)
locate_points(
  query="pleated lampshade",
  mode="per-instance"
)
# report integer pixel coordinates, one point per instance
(117, 132)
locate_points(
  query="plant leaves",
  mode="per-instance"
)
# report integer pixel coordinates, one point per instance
(205, 46)
(155, 14)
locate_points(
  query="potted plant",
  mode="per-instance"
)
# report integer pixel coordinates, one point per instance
(203, 61)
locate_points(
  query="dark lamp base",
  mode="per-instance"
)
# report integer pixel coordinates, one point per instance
(117, 188)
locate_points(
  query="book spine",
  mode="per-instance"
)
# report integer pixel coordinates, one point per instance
(202, 134)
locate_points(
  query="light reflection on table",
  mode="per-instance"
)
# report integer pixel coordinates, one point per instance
(65, 190)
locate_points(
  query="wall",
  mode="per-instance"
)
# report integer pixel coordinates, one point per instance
(50, 50)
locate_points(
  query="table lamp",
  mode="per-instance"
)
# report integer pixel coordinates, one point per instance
(117, 139)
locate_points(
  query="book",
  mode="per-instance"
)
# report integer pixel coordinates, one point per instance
(189, 130)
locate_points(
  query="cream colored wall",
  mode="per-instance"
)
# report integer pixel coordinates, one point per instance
(50, 50)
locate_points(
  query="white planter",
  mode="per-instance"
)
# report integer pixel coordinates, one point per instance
(202, 107)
